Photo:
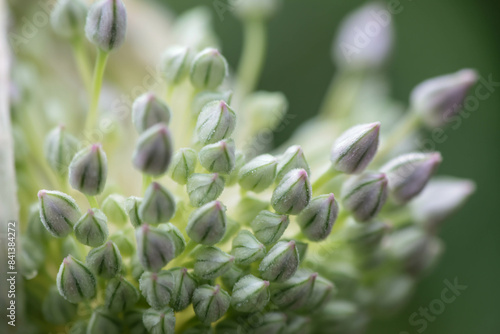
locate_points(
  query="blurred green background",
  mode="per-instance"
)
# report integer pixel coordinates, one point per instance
(432, 38)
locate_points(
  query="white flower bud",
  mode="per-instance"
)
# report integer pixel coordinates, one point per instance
(208, 70)
(153, 151)
(158, 205)
(211, 262)
(281, 262)
(149, 110)
(58, 212)
(68, 18)
(246, 249)
(175, 64)
(204, 188)
(293, 193)
(317, 219)
(159, 322)
(88, 170)
(210, 303)
(219, 157)
(120, 295)
(250, 294)
(183, 165)
(292, 158)
(92, 228)
(75, 281)
(106, 24)
(59, 149)
(105, 261)
(268, 227)
(216, 122)
(259, 173)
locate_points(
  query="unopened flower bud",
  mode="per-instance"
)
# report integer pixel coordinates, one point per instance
(292, 158)
(259, 173)
(210, 303)
(183, 165)
(105, 261)
(281, 262)
(159, 321)
(158, 205)
(355, 148)
(183, 286)
(208, 70)
(107, 24)
(114, 208)
(59, 148)
(233, 275)
(120, 295)
(133, 321)
(439, 100)
(247, 249)
(271, 323)
(203, 188)
(211, 262)
(250, 294)
(124, 241)
(36, 230)
(317, 219)
(293, 193)
(207, 224)
(239, 161)
(68, 18)
(149, 110)
(215, 122)
(365, 195)
(365, 237)
(75, 281)
(88, 170)
(156, 288)
(175, 64)
(57, 310)
(408, 174)
(203, 98)
(299, 325)
(58, 212)
(321, 293)
(155, 247)
(263, 110)
(176, 236)
(294, 292)
(268, 227)
(153, 151)
(92, 228)
(132, 205)
(102, 321)
(218, 157)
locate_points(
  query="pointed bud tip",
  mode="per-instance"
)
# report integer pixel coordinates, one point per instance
(41, 193)
(291, 244)
(90, 212)
(266, 283)
(302, 174)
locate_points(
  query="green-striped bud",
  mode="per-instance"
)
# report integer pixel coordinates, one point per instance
(268, 227)
(321, 292)
(75, 281)
(114, 208)
(247, 249)
(216, 122)
(219, 157)
(208, 70)
(210, 303)
(175, 64)
(68, 18)
(233, 275)
(259, 173)
(156, 288)
(207, 225)
(57, 310)
(317, 219)
(132, 320)
(292, 158)
(211, 262)
(270, 323)
(263, 111)
(92, 228)
(102, 321)
(239, 161)
(106, 24)
(124, 241)
(365, 195)
(281, 262)
(250, 294)
(293, 193)
(132, 205)
(36, 230)
(159, 322)
(204, 188)
(183, 165)
(120, 295)
(355, 148)
(148, 110)
(176, 236)
(408, 174)
(299, 325)
(105, 261)
(294, 293)
(155, 247)
(183, 286)
(88, 170)
(153, 151)
(365, 237)
(203, 98)
(158, 205)
(58, 212)
(60, 147)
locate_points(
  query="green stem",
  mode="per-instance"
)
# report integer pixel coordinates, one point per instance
(92, 201)
(100, 65)
(252, 58)
(324, 178)
(146, 181)
(82, 63)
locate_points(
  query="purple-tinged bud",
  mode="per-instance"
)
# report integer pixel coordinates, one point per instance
(75, 281)
(88, 170)
(203, 98)
(175, 64)
(58, 212)
(132, 205)
(120, 295)
(355, 148)
(183, 288)
(105, 261)
(293, 193)
(268, 227)
(321, 292)
(250, 294)
(102, 321)
(317, 219)
(59, 149)
(204, 188)
(219, 157)
(211, 262)
(292, 158)
(183, 165)
(92, 228)
(365, 237)
(176, 236)
(106, 24)
(233, 275)
(438, 100)
(216, 122)
(57, 310)
(239, 161)
(208, 70)
(155, 247)
(210, 303)
(68, 18)
(153, 151)
(159, 321)
(271, 323)
(281, 262)
(207, 224)
(114, 208)
(294, 292)
(157, 288)
(408, 174)
(149, 110)
(258, 174)
(247, 249)
(364, 195)
(158, 205)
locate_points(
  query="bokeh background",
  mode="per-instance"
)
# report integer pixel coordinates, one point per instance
(432, 38)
